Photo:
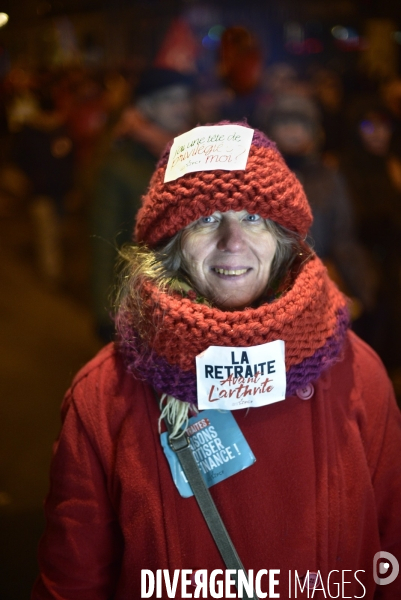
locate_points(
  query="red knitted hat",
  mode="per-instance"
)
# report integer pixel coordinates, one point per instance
(266, 187)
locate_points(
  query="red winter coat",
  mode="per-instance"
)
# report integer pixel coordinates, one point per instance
(324, 493)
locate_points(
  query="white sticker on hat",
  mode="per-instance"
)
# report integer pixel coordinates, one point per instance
(209, 148)
(231, 378)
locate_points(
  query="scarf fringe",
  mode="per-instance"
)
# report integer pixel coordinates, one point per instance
(177, 414)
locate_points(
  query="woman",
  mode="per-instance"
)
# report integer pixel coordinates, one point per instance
(221, 262)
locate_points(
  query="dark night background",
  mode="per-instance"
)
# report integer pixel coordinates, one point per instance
(45, 336)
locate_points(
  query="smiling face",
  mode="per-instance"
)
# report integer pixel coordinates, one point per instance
(228, 257)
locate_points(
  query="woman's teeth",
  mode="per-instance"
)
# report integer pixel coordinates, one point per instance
(231, 271)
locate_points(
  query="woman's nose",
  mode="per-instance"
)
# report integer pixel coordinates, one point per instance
(231, 236)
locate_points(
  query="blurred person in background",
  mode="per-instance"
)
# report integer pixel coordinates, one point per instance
(281, 78)
(117, 92)
(210, 99)
(240, 67)
(20, 97)
(391, 97)
(87, 116)
(373, 176)
(162, 108)
(328, 92)
(294, 124)
(43, 150)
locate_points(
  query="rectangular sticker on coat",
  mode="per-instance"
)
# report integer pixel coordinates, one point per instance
(232, 378)
(218, 446)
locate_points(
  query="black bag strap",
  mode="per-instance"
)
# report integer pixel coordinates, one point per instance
(181, 446)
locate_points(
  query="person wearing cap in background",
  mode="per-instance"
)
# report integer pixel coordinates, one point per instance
(223, 305)
(162, 108)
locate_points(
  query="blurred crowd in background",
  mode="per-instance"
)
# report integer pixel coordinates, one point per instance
(83, 141)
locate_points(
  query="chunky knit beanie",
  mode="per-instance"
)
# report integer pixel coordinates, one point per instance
(266, 187)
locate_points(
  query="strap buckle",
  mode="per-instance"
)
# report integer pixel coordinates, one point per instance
(180, 443)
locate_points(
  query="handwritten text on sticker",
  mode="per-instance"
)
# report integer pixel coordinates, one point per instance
(209, 148)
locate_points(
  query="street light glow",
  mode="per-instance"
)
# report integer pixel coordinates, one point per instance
(3, 19)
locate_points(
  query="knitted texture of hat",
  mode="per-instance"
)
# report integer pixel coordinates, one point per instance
(160, 344)
(266, 187)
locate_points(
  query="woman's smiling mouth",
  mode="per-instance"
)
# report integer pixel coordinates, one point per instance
(229, 271)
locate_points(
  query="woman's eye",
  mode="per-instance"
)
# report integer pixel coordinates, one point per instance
(210, 219)
(253, 218)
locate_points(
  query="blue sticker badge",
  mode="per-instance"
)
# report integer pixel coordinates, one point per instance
(218, 446)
